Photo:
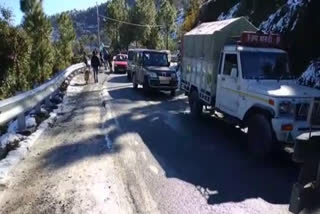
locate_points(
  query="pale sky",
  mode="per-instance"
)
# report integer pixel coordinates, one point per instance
(50, 6)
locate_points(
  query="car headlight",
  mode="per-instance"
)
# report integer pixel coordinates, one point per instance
(152, 74)
(286, 108)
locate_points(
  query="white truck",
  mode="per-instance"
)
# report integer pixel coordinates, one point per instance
(248, 82)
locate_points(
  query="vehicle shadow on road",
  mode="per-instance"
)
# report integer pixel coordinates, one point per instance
(71, 152)
(140, 95)
(206, 152)
(119, 79)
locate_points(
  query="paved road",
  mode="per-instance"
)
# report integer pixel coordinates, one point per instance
(195, 166)
(69, 169)
(143, 154)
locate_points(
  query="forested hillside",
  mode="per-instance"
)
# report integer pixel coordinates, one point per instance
(28, 54)
(296, 20)
(85, 21)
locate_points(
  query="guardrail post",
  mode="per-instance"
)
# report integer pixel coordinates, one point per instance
(38, 108)
(47, 101)
(21, 122)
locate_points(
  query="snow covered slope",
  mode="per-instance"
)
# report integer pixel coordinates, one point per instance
(311, 77)
(232, 13)
(285, 18)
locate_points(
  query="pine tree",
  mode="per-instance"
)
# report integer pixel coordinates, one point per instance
(144, 14)
(14, 57)
(64, 52)
(117, 10)
(192, 16)
(39, 28)
(166, 17)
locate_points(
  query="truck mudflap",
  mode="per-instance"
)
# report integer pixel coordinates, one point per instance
(205, 96)
(186, 86)
(306, 192)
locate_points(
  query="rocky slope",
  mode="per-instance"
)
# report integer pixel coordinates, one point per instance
(295, 20)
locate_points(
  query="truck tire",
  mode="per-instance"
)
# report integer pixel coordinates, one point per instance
(195, 104)
(173, 93)
(135, 85)
(128, 76)
(146, 87)
(260, 136)
(308, 172)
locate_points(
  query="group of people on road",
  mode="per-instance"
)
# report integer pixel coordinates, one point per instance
(98, 60)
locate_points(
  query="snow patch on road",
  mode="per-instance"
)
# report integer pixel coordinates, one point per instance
(105, 96)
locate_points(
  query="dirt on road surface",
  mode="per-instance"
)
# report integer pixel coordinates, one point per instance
(115, 150)
(69, 169)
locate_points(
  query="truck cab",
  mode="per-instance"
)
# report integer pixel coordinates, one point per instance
(255, 80)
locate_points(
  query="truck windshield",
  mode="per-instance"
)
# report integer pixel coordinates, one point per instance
(264, 65)
(155, 59)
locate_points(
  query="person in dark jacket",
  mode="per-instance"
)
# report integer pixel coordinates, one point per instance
(95, 63)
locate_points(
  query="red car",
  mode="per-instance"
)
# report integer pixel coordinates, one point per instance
(120, 63)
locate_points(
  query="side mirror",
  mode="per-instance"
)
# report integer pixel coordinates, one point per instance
(234, 73)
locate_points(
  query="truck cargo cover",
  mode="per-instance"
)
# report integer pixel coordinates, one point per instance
(206, 40)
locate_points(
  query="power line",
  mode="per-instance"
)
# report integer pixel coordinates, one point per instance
(130, 23)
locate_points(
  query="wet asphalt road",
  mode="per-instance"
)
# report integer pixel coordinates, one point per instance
(197, 166)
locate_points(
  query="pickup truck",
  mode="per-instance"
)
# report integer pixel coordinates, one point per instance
(247, 81)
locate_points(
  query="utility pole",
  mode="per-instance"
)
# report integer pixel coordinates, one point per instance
(98, 21)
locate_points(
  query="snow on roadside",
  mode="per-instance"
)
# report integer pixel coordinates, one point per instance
(15, 156)
(284, 18)
(311, 77)
(10, 138)
(231, 13)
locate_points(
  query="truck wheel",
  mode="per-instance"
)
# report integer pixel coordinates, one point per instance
(128, 76)
(308, 172)
(146, 87)
(173, 93)
(195, 104)
(135, 85)
(260, 136)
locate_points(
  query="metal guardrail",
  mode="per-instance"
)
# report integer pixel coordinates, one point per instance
(15, 107)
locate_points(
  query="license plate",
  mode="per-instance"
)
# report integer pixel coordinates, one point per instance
(164, 80)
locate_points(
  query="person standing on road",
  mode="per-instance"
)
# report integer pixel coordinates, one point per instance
(109, 59)
(95, 63)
